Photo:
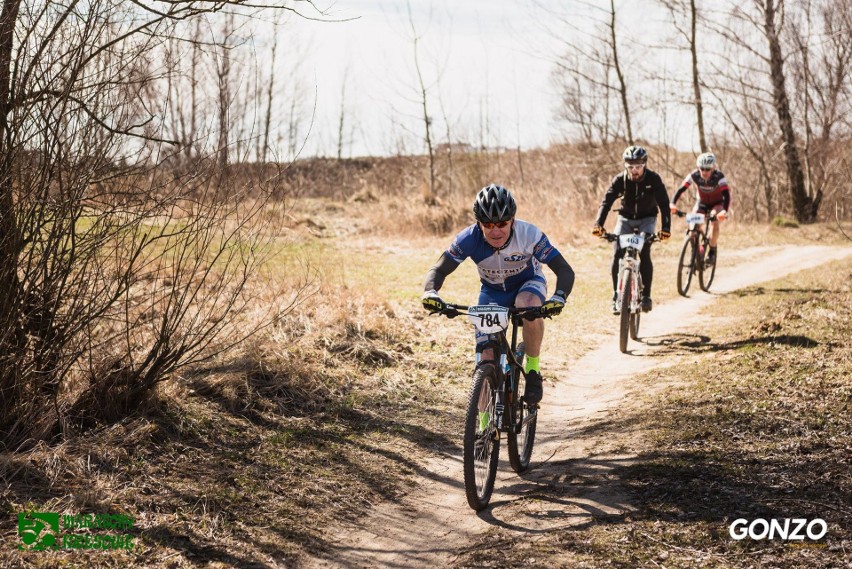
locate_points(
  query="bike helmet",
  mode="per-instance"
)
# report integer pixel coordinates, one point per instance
(634, 153)
(494, 204)
(706, 161)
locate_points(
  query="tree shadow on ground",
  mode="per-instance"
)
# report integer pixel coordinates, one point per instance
(759, 291)
(669, 344)
(248, 450)
(685, 493)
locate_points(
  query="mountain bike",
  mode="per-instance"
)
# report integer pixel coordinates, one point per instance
(494, 404)
(628, 300)
(696, 248)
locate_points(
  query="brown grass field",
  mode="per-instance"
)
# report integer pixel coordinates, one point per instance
(246, 460)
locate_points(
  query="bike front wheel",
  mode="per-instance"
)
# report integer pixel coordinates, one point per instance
(705, 277)
(686, 266)
(521, 437)
(634, 325)
(626, 302)
(481, 438)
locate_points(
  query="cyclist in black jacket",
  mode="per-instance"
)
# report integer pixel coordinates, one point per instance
(643, 194)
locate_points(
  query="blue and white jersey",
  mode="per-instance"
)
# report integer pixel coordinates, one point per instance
(511, 266)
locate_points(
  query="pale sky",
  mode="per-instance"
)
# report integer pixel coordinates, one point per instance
(487, 64)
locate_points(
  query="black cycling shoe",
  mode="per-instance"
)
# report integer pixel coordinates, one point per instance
(711, 256)
(615, 309)
(533, 391)
(647, 304)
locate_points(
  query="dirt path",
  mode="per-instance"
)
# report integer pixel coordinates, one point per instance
(434, 521)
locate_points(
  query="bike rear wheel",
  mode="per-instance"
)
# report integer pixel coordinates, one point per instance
(686, 265)
(521, 439)
(705, 277)
(626, 301)
(481, 438)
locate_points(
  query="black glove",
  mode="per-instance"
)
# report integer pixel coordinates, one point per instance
(432, 302)
(553, 306)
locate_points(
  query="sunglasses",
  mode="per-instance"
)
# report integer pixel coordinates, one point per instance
(706, 169)
(633, 166)
(498, 225)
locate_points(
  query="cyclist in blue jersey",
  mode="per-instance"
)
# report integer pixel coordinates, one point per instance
(508, 253)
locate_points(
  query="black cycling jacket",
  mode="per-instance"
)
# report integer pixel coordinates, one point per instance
(642, 198)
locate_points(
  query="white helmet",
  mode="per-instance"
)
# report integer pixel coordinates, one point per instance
(706, 161)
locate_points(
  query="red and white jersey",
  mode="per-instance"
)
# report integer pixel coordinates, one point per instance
(708, 192)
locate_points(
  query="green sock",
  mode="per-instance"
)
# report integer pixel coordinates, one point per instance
(483, 420)
(531, 364)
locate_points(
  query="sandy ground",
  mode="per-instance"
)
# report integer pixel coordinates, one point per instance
(434, 522)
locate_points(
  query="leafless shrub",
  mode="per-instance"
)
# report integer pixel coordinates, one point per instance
(116, 271)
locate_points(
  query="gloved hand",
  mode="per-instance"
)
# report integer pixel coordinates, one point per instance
(553, 306)
(664, 235)
(722, 215)
(432, 302)
(598, 231)
(673, 208)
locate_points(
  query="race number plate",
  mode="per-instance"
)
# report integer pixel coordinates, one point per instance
(631, 240)
(489, 318)
(694, 218)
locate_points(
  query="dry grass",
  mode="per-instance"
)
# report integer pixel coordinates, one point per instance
(760, 430)
(240, 461)
(560, 187)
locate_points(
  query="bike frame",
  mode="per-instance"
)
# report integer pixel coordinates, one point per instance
(700, 233)
(630, 260)
(494, 398)
(509, 369)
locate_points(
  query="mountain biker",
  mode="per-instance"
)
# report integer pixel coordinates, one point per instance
(508, 253)
(643, 194)
(713, 194)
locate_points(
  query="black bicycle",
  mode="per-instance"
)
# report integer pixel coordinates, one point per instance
(629, 287)
(494, 404)
(696, 248)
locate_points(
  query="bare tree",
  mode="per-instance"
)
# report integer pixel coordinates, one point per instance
(424, 101)
(804, 206)
(342, 116)
(589, 74)
(822, 73)
(270, 97)
(622, 84)
(225, 90)
(766, 18)
(113, 273)
(680, 10)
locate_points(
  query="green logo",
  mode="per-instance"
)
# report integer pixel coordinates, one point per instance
(38, 530)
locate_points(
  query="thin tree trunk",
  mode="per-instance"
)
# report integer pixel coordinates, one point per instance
(341, 123)
(264, 156)
(11, 337)
(804, 207)
(621, 82)
(699, 109)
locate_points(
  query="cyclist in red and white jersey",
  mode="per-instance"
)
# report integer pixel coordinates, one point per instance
(712, 194)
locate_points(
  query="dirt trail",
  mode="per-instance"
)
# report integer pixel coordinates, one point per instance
(434, 521)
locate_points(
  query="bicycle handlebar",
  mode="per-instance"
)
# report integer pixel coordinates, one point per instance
(527, 313)
(614, 237)
(711, 216)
